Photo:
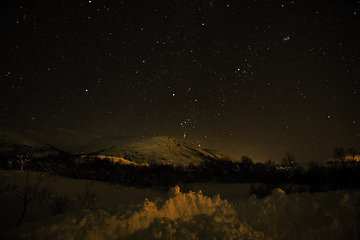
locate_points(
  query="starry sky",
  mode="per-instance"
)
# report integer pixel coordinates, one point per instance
(254, 78)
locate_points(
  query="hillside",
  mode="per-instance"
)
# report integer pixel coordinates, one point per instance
(161, 150)
(13, 144)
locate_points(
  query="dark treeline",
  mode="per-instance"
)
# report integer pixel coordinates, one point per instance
(337, 174)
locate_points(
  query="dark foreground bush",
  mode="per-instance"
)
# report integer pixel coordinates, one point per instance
(59, 205)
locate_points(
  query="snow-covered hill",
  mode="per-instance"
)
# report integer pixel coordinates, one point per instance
(13, 144)
(162, 150)
(138, 150)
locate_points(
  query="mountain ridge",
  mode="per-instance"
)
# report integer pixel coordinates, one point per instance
(137, 150)
(159, 149)
(13, 144)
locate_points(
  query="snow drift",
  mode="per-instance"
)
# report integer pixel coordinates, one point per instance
(332, 215)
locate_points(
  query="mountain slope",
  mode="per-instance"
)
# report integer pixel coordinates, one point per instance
(161, 150)
(13, 144)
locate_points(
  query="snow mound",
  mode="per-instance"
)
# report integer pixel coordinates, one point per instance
(332, 215)
(184, 216)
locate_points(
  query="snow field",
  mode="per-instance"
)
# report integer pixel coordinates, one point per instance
(124, 213)
(194, 216)
(183, 216)
(332, 215)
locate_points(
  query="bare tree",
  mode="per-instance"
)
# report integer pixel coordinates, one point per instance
(23, 159)
(353, 153)
(247, 161)
(339, 155)
(89, 196)
(29, 191)
(289, 161)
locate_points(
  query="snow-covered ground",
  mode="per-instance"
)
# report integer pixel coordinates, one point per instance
(219, 211)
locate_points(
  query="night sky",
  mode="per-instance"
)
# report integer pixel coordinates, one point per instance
(254, 78)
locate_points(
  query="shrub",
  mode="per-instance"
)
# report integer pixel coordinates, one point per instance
(89, 197)
(29, 191)
(59, 205)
